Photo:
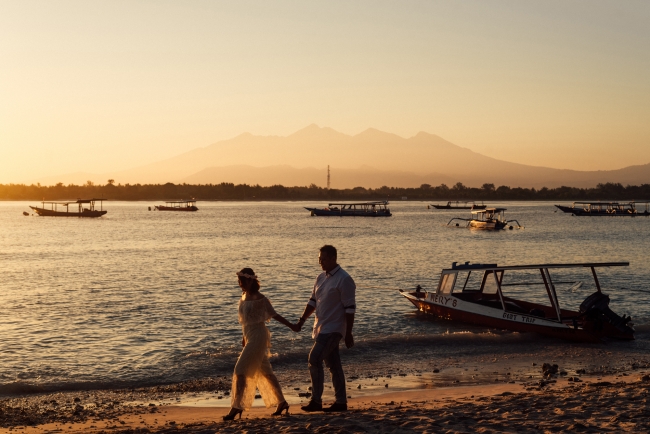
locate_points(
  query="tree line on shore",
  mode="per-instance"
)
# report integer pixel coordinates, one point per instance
(245, 192)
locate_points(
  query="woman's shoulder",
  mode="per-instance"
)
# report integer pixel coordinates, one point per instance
(254, 297)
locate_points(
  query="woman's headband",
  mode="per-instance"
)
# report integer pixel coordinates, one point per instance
(248, 276)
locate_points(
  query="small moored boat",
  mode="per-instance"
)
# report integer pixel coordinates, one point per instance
(178, 205)
(363, 209)
(490, 218)
(524, 298)
(457, 204)
(85, 208)
(611, 209)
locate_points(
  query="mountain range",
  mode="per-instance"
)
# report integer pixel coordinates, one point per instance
(369, 159)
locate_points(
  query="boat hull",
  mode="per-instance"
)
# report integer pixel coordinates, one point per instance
(597, 213)
(346, 213)
(459, 207)
(489, 225)
(454, 309)
(51, 213)
(171, 208)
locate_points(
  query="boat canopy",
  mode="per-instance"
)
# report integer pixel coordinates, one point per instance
(181, 201)
(73, 202)
(489, 211)
(382, 202)
(468, 266)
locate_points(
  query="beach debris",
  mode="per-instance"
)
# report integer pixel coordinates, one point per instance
(549, 370)
(435, 371)
(359, 386)
(644, 378)
(386, 385)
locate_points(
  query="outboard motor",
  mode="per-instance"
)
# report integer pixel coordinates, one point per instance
(597, 305)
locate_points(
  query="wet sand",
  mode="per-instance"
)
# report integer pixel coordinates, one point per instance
(553, 403)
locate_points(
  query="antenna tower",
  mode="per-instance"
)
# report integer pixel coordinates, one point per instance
(328, 176)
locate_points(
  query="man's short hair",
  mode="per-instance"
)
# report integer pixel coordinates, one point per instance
(329, 251)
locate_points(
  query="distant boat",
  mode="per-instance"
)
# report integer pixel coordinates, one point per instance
(459, 204)
(179, 205)
(362, 209)
(490, 218)
(85, 208)
(612, 209)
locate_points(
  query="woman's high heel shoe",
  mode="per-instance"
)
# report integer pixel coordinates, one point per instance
(284, 407)
(233, 412)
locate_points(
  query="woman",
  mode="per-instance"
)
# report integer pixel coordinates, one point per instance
(253, 369)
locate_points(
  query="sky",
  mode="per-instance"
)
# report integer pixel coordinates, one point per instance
(99, 86)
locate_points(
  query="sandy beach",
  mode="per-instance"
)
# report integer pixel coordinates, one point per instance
(553, 402)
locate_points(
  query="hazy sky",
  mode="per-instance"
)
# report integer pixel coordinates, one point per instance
(106, 85)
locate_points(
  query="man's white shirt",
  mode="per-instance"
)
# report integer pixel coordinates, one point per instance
(333, 296)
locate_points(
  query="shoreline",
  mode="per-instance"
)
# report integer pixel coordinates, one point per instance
(594, 402)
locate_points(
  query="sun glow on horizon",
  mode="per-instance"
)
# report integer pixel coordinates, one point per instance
(104, 87)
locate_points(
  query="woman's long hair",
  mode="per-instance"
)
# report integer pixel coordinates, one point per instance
(255, 283)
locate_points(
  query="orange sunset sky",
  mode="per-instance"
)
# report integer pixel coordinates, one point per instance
(109, 85)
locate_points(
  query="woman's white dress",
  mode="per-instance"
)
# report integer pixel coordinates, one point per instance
(253, 369)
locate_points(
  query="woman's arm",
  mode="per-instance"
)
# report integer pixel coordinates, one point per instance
(279, 318)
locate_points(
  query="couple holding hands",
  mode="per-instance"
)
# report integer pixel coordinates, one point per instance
(333, 301)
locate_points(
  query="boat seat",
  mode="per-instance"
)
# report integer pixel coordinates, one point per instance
(490, 300)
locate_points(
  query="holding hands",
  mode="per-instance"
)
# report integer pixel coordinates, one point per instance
(297, 326)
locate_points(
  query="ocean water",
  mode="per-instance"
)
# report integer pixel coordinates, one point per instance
(143, 298)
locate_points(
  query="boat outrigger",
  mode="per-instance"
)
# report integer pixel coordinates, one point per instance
(86, 208)
(612, 209)
(179, 205)
(490, 218)
(489, 295)
(457, 204)
(363, 209)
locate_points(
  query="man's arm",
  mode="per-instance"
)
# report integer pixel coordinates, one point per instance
(348, 298)
(309, 309)
(349, 322)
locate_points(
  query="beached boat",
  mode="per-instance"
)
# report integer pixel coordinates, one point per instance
(85, 208)
(178, 205)
(524, 298)
(612, 209)
(457, 204)
(363, 209)
(490, 218)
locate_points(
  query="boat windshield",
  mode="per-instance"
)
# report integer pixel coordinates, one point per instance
(447, 283)
(469, 281)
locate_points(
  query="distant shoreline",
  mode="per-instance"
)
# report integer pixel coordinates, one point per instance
(245, 192)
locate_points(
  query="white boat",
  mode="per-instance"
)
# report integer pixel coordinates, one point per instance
(490, 218)
(506, 298)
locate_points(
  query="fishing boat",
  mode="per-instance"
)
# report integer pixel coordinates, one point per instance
(612, 209)
(85, 208)
(457, 204)
(490, 219)
(178, 205)
(525, 298)
(362, 209)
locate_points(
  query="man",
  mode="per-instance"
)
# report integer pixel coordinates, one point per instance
(333, 300)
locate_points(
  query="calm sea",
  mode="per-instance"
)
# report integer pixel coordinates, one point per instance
(142, 297)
